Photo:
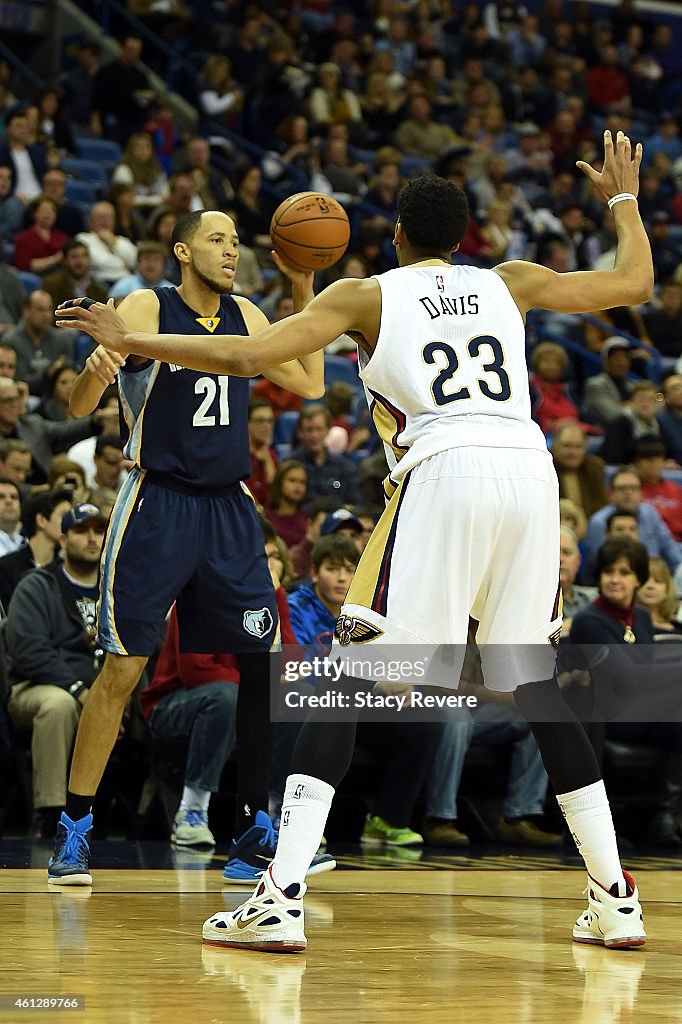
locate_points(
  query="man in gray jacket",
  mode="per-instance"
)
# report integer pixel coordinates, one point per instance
(43, 437)
(53, 660)
(606, 392)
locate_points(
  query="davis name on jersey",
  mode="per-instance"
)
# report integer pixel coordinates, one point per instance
(449, 368)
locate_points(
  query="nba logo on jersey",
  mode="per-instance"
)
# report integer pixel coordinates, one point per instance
(258, 623)
(440, 282)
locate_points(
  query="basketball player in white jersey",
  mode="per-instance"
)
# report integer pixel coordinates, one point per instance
(471, 527)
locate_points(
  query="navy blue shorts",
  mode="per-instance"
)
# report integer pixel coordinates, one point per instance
(205, 552)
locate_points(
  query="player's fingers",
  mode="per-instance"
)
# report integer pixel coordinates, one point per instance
(76, 325)
(608, 145)
(627, 147)
(69, 302)
(587, 170)
(639, 152)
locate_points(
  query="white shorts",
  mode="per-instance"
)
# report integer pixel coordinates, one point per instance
(469, 532)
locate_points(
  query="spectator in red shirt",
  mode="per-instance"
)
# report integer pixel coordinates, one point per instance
(551, 400)
(264, 461)
(607, 85)
(287, 494)
(649, 459)
(38, 249)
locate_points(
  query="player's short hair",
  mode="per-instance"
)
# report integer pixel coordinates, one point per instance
(185, 229)
(623, 547)
(434, 213)
(335, 548)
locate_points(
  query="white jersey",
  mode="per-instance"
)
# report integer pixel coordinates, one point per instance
(449, 367)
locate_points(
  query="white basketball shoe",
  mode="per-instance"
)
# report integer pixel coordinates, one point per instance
(612, 921)
(270, 921)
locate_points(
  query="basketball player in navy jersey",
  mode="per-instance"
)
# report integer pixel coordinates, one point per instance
(185, 529)
(442, 354)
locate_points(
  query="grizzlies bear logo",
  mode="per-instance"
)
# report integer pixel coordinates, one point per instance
(258, 623)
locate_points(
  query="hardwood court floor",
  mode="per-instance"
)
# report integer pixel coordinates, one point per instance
(406, 944)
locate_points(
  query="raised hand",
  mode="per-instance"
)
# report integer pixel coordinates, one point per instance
(100, 321)
(301, 277)
(620, 172)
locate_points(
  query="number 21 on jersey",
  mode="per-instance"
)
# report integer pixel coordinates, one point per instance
(497, 390)
(205, 416)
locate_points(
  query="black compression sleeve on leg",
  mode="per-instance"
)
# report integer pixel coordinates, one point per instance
(254, 738)
(324, 748)
(566, 751)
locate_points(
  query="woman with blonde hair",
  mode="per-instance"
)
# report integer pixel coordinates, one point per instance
(140, 168)
(329, 102)
(658, 596)
(218, 93)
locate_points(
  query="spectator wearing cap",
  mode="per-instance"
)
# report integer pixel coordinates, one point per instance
(345, 523)
(670, 416)
(665, 323)
(41, 525)
(637, 420)
(606, 391)
(10, 512)
(151, 257)
(626, 496)
(53, 660)
(649, 459)
(665, 253)
(328, 475)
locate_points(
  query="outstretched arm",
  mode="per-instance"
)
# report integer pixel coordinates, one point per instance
(305, 374)
(632, 279)
(348, 305)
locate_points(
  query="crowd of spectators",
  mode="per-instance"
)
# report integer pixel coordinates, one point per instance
(351, 100)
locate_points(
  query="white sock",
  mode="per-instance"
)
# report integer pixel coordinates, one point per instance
(588, 816)
(305, 809)
(197, 799)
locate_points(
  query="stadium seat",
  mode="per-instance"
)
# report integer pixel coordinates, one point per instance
(30, 282)
(80, 192)
(102, 151)
(285, 424)
(88, 170)
(339, 368)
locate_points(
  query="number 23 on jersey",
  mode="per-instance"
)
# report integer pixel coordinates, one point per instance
(497, 387)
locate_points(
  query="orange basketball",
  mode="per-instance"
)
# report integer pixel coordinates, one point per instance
(310, 231)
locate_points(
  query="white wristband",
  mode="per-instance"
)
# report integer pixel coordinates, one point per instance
(620, 198)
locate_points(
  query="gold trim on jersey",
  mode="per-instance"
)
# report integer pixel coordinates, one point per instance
(369, 588)
(209, 323)
(388, 424)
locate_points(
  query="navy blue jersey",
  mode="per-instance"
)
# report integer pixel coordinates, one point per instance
(186, 425)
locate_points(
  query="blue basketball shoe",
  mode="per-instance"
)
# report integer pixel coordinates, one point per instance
(250, 855)
(70, 862)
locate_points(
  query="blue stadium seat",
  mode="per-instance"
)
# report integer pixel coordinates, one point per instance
(340, 368)
(30, 282)
(102, 151)
(285, 424)
(80, 192)
(88, 170)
